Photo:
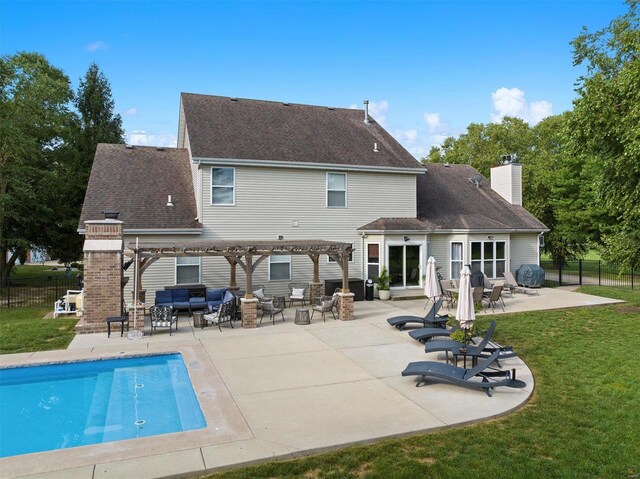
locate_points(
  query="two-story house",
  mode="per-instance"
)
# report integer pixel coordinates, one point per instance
(261, 170)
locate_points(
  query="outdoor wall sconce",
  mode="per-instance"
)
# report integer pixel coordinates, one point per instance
(406, 238)
(280, 237)
(490, 237)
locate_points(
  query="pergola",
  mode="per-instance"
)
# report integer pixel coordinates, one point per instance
(247, 254)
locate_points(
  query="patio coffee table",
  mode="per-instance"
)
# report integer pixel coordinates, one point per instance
(302, 316)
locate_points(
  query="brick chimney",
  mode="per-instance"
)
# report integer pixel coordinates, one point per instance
(506, 180)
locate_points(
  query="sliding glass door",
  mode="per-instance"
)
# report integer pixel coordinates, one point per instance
(404, 265)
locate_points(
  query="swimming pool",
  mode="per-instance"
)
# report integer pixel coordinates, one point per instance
(66, 405)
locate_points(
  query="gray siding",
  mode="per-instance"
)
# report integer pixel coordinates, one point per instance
(524, 250)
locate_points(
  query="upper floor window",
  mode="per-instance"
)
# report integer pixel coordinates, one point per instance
(337, 190)
(223, 186)
(456, 259)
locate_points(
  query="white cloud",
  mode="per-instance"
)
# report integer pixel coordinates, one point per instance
(99, 45)
(512, 102)
(142, 138)
(131, 111)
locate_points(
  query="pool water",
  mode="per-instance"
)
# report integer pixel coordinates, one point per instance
(57, 406)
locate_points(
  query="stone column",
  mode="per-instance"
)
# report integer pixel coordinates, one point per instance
(249, 312)
(345, 306)
(316, 291)
(103, 248)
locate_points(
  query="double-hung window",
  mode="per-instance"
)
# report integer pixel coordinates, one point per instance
(187, 270)
(337, 190)
(279, 267)
(456, 260)
(489, 257)
(223, 186)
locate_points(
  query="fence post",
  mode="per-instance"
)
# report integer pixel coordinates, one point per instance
(8, 293)
(632, 277)
(599, 273)
(560, 273)
(580, 272)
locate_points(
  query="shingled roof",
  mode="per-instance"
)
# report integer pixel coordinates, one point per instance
(447, 200)
(235, 128)
(136, 182)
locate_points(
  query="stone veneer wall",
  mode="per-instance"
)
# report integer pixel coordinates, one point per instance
(345, 306)
(103, 247)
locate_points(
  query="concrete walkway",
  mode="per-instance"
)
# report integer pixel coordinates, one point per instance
(284, 390)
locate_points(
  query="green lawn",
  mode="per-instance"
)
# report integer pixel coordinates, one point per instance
(22, 330)
(583, 420)
(39, 271)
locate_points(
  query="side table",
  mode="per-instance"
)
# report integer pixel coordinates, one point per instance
(117, 319)
(302, 316)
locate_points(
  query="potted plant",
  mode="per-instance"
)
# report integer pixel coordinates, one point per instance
(383, 284)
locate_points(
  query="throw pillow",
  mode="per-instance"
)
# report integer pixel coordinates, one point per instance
(259, 294)
(297, 292)
(327, 305)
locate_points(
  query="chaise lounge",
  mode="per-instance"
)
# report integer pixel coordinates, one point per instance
(479, 377)
(430, 320)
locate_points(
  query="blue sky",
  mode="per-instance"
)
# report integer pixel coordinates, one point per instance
(429, 67)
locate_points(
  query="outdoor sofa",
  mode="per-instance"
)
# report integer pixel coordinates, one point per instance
(183, 299)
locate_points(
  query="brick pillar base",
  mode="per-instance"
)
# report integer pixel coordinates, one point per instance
(345, 306)
(249, 312)
(316, 291)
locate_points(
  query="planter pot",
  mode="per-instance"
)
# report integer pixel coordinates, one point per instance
(384, 294)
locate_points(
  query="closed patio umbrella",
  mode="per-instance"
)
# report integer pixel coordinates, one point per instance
(431, 285)
(465, 314)
(135, 334)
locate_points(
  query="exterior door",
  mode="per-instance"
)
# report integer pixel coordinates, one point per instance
(404, 265)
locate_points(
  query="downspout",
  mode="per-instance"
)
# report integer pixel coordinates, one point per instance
(364, 271)
(538, 237)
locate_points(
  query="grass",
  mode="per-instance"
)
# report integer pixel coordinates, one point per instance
(39, 271)
(22, 330)
(582, 421)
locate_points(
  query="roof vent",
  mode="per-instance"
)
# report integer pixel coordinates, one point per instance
(128, 147)
(110, 215)
(330, 108)
(233, 99)
(446, 165)
(169, 203)
(286, 104)
(366, 112)
(160, 148)
(475, 179)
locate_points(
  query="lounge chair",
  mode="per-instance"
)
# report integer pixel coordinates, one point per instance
(512, 285)
(427, 334)
(483, 349)
(429, 320)
(478, 377)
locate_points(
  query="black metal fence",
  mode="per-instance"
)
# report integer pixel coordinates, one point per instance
(590, 272)
(40, 291)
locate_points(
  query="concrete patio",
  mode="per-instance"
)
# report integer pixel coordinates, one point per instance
(285, 390)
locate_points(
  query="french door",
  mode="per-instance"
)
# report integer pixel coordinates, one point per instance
(404, 265)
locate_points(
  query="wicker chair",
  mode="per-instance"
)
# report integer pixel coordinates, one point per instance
(327, 304)
(271, 310)
(478, 296)
(162, 317)
(297, 292)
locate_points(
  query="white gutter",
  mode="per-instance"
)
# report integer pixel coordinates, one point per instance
(311, 166)
(455, 231)
(141, 231)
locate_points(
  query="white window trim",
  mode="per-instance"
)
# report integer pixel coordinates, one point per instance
(379, 264)
(211, 203)
(451, 260)
(346, 189)
(494, 260)
(423, 247)
(176, 266)
(280, 262)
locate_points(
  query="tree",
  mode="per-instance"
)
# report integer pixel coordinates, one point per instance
(481, 146)
(605, 125)
(95, 123)
(34, 114)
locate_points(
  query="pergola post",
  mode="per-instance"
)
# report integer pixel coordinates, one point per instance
(345, 298)
(316, 288)
(232, 273)
(249, 304)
